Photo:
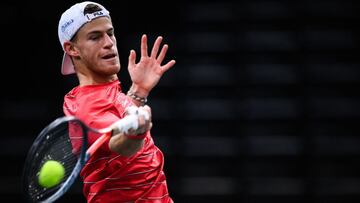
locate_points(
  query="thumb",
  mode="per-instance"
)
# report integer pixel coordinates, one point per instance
(132, 57)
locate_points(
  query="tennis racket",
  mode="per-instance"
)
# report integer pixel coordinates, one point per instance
(65, 140)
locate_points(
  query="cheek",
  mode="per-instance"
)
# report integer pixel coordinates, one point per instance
(89, 60)
(89, 54)
(87, 46)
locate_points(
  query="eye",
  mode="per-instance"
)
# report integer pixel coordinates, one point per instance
(94, 37)
(111, 33)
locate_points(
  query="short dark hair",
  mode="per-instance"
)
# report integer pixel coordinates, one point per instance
(90, 8)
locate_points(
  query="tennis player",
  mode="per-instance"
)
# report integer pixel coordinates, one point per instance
(129, 167)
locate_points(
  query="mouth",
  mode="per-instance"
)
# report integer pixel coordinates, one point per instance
(109, 56)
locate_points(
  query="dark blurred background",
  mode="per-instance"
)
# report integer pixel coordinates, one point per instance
(262, 105)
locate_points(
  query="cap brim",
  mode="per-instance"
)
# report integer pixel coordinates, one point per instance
(67, 66)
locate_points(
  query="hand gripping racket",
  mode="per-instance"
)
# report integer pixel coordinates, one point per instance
(65, 140)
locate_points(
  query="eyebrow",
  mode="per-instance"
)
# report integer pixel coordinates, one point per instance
(99, 32)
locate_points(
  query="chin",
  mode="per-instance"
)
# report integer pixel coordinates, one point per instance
(114, 67)
(113, 70)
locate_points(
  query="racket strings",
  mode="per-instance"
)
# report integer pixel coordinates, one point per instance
(56, 145)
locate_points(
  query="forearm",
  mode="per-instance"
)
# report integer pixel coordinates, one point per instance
(121, 144)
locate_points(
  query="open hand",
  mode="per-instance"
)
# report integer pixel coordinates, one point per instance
(147, 72)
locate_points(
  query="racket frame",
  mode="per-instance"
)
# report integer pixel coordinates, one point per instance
(33, 151)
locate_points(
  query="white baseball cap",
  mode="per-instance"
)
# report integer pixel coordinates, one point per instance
(70, 22)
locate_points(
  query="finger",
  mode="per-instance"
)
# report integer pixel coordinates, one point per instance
(167, 66)
(142, 121)
(162, 53)
(144, 47)
(147, 126)
(156, 46)
(146, 114)
(143, 124)
(147, 109)
(131, 132)
(132, 58)
(150, 126)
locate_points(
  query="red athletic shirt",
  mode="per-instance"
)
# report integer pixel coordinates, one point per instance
(109, 177)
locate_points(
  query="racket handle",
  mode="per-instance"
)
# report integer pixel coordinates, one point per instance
(128, 122)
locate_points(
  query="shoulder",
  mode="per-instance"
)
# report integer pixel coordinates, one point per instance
(97, 103)
(91, 107)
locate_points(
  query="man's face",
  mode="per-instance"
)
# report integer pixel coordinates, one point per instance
(96, 44)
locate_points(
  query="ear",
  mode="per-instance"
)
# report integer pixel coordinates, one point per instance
(70, 49)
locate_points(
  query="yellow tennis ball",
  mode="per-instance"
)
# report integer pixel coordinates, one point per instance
(51, 174)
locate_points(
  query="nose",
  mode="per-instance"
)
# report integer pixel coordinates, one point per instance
(108, 42)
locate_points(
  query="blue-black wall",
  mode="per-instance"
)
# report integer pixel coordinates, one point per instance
(263, 104)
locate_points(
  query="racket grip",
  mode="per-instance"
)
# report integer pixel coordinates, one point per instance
(128, 122)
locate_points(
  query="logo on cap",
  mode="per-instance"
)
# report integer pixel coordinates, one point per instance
(91, 16)
(66, 24)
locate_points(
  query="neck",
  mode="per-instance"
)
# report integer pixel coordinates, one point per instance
(95, 80)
